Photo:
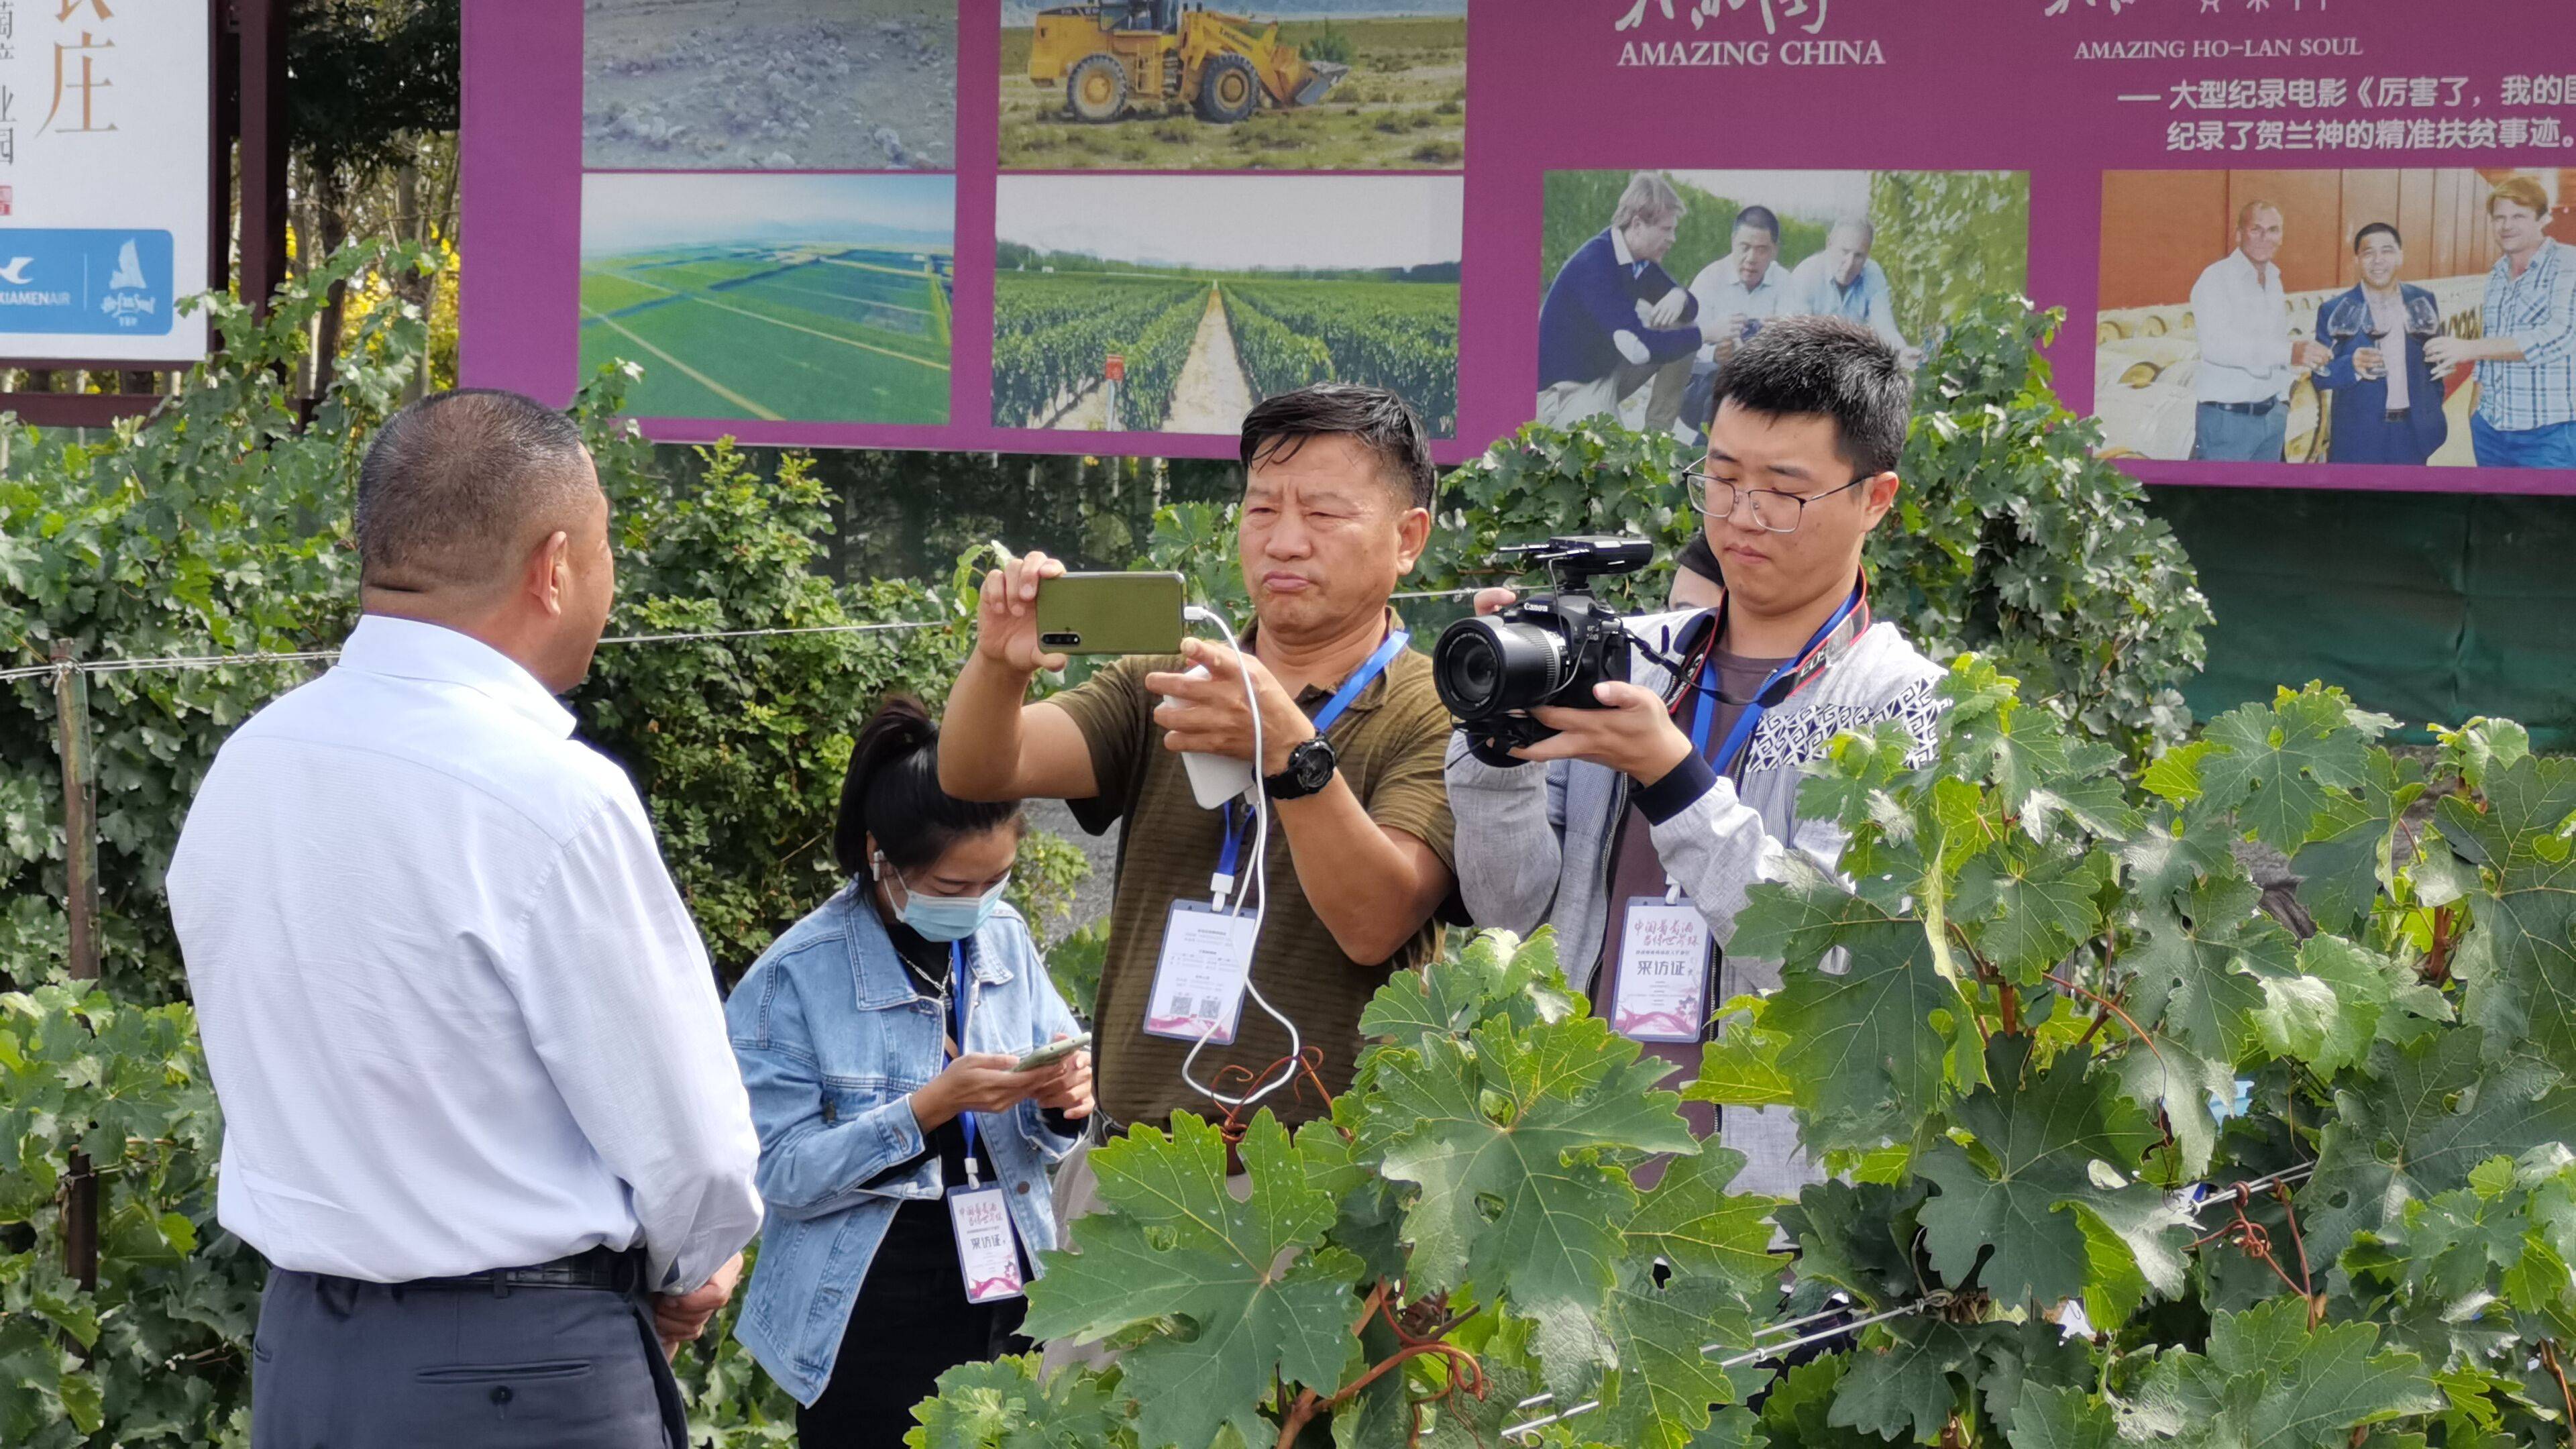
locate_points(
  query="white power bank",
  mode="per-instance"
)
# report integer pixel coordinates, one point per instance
(1215, 779)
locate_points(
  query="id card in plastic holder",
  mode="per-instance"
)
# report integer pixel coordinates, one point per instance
(988, 1248)
(1662, 986)
(1199, 982)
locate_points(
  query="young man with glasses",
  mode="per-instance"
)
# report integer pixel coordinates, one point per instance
(1650, 816)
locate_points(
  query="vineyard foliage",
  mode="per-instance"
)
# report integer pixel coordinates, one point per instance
(1055, 331)
(2040, 1030)
(1400, 335)
(1155, 357)
(1275, 357)
(1052, 334)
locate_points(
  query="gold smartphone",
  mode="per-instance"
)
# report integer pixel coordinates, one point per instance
(1134, 613)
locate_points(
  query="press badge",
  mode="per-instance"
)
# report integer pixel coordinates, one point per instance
(1662, 987)
(1199, 983)
(988, 1250)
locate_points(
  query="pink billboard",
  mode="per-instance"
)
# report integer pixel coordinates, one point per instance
(2315, 243)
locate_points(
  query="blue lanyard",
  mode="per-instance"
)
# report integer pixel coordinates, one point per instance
(1396, 639)
(966, 1120)
(1738, 737)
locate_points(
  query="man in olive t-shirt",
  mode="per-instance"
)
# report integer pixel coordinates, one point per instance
(1338, 488)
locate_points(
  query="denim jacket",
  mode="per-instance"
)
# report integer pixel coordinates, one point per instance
(832, 1038)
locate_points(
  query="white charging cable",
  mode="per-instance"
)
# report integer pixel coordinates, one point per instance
(1258, 883)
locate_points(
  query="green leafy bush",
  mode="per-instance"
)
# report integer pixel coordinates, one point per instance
(2035, 1008)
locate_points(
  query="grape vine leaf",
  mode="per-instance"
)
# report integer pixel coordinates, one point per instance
(1741, 1068)
(2027, 909)
(2328, 1013)
(1691, 1222)
(1796, 1413)
(2044, 774)
(2415, 1122)
(1858, 1237)
(1660, 1394)
(2346, 861)
(2062, 1418)
(1858, 1042)
(2269, 1381)
(1000, 1405)
(2280, 767)
(2039, 1136)
(2199, 965)
(1367, 1219)
(1903, 1391)
(1171, 1241)
(1520, 1143)
(2518, 961)
(1494, 975)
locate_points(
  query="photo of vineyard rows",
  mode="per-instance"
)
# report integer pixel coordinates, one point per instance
(1199, 345)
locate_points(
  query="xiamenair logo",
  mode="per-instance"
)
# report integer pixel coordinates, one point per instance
(86, 281)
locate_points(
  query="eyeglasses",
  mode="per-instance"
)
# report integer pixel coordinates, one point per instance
(1773, 511)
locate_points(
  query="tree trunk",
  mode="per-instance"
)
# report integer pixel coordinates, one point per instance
(330, 203)
(411, 225)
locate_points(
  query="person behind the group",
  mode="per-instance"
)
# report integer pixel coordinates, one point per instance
(2387, 400)
(1845, 281)
(479, 1115)
(1338, 487)
(1737, 293)
(880, 1038)
(1614, 320)
(1687, 781)
(2248, 359)
(2526, 416)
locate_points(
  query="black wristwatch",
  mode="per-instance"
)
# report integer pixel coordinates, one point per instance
(1310, 769)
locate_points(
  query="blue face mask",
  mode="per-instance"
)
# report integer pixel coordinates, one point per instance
(948, 918)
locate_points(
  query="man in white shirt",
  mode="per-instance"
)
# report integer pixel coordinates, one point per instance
(2247, 356)
(480, 1115)
(1737, 294)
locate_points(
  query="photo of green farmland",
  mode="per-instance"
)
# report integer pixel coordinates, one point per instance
(1231, 85)
(1173, 304)
(771, 298)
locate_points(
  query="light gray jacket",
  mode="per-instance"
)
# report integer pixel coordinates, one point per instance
(1533, 845)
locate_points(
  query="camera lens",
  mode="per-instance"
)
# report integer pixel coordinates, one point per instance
(1485, 667)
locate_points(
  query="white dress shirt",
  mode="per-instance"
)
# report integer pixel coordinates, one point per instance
(1721, 292)
(2242, 321)
(457, 1017)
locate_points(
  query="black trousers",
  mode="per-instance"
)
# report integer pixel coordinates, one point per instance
(340, 1364)
(909, 1324)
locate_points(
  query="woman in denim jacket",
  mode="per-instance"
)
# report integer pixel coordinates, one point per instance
(846, 1031)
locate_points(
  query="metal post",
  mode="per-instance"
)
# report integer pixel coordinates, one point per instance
(80, 892)
(263, 151)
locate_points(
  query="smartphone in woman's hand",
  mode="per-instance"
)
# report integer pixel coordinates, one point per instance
(1053, 1052)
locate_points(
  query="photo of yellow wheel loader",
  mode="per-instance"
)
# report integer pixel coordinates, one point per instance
(1114, 57)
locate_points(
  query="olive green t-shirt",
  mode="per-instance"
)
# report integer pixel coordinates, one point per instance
(1389, 744)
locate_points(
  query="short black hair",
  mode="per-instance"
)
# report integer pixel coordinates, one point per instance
(1761, 216)
(1373, 417)
(1826, 367)
(2364, 234)
(454, 484)
(892, 792)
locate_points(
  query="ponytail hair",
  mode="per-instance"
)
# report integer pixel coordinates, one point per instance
(892, 792)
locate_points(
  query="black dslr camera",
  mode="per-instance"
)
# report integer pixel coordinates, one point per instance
(1549, 648)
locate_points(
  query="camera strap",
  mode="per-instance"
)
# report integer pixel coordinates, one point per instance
(1848, 623)
(1238, 821)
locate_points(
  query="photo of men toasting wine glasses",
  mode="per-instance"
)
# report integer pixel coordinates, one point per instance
(2394, 317)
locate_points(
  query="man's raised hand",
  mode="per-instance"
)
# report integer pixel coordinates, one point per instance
(1006, 616)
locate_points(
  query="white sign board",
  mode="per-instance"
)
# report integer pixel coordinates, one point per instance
(103, 184)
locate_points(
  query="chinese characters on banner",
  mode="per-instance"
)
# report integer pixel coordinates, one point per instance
(104, 213)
